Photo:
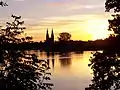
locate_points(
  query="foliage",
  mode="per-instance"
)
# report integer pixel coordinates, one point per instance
(64, 36)
(106, 64)
(112, 4)
(106, 71)
(114, 24)
(19, 70)
(3, 4)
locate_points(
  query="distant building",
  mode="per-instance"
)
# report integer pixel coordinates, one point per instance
(49, 39)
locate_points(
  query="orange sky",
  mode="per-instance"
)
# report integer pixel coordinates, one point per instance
(81, 27)
(83, 19)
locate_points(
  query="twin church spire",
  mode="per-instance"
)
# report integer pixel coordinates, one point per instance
(48, 38)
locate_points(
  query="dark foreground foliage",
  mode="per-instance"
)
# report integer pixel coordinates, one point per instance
(106, 71)
(106, 64)
(2, 4)
(112, 4)
(18, 69)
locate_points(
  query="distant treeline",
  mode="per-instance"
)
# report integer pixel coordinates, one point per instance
(109, 43)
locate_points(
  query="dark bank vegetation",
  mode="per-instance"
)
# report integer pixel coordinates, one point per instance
(106, 64)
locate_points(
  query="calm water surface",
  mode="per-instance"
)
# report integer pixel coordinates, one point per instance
(70, 71)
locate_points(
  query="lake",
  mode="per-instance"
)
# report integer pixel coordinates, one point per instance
(70, 71)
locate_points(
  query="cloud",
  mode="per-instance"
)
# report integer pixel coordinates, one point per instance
(61, 22)
(55, 22)
(76, 7)
(19, 0)
(58, 2)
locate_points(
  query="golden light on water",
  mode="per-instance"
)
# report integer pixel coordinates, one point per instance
(70, 70)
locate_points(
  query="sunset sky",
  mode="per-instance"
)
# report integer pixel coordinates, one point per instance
(84, 19)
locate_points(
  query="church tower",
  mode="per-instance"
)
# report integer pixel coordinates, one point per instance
(49, 42)
(52, 36)
(47, 36)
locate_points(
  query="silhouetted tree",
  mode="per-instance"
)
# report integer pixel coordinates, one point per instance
(106, 64)
(114, 24)
(64, 36)
(19, 70)
(112, 4)
(106, 71)
(28, 38)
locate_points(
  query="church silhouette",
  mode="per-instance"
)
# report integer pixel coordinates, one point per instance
(49, 40)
